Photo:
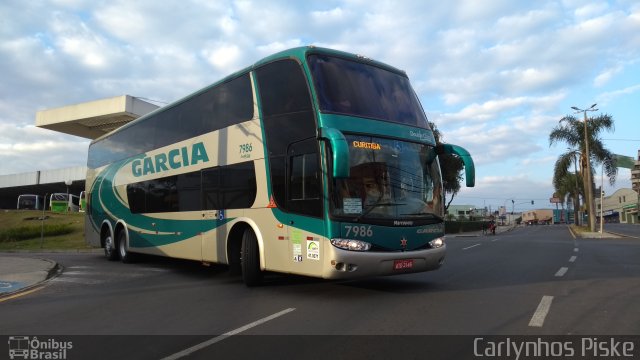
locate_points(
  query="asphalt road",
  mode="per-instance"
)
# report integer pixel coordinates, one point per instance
(535, 280)
(624, 229)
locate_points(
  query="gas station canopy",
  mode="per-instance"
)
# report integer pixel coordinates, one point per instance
(94, 118)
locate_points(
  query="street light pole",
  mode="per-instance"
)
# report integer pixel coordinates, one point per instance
(576, 201)
(591, 208)
(602, 200)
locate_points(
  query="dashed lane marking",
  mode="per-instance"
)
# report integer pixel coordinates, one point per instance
(563, 270)
(573, 258)
(469, 247)
(537, 320)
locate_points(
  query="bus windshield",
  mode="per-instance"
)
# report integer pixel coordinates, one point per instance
(358, 89)
(389, 180)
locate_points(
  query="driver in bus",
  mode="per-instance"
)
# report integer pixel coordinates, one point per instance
(374, 193)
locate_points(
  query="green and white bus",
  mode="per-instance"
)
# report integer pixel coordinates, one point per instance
(63, 202)
(83, 201)
(311, 161)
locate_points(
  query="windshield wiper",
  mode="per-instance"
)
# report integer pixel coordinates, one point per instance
(431, 215)
(386, 204)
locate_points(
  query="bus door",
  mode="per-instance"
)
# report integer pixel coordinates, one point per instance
(304, 189)
(209, 235)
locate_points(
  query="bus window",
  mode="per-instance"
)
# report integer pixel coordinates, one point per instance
(288, 118)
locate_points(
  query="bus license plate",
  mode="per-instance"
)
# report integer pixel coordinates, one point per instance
(402, 264)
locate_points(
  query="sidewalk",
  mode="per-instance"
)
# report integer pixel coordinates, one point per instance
(597, 235)
(19, 273)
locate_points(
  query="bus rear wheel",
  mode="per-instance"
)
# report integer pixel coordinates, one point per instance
(110, 249)
(250, 259)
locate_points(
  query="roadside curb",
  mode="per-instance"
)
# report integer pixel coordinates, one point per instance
(53, 251)
(54, 270)
(624, 235)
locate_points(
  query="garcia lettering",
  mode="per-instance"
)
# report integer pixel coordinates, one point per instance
(173, 159)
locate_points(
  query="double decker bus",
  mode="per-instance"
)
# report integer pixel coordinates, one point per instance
(311, 161)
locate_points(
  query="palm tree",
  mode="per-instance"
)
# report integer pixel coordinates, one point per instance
(568, 187)
(571, 131)
(451, 166)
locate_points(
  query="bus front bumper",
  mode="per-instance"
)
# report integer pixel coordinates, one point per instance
(345, 264)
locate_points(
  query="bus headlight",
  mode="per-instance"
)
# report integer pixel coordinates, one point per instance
(349, 244)
(437, 242)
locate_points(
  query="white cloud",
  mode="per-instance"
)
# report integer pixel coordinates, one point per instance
(497, 109)
(607, 97)
(223, 56)
(606, 75)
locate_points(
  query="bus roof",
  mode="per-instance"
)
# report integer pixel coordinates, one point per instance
(298, 53)
(303, 51)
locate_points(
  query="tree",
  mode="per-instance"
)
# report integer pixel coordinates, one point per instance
(451, 167)
(571, 131)
(568, 187)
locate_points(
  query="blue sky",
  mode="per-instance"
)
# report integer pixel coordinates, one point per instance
(495, 76)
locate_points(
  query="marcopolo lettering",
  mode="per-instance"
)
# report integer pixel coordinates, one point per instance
(173, 159)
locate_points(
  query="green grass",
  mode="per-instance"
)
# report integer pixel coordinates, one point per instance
(579, 229)
(21, 230)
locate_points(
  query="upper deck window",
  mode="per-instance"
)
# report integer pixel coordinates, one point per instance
(359, 89)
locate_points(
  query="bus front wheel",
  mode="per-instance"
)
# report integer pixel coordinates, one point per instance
(250, 259)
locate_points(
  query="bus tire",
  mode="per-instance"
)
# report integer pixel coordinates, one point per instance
(250, 259)
(110, 249)
(125, 255)
(235, 249)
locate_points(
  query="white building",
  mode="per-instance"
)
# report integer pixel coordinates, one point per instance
(619, 207)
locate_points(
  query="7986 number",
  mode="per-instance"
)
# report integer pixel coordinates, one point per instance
(359, 230)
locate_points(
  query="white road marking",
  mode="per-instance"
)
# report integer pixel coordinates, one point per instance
(494, 240)
(563, 270)
(472, 246)
(77, 280)
(77, 273)
(573, 259)
(541, 312)
(576, 249)
(202, 345)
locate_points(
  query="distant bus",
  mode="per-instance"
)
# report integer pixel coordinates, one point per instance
(83, 201)
(30, 202)
(311, 161)
(63, 202)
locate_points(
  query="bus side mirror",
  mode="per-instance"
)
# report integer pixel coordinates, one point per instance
(469, 168)
(339, 149)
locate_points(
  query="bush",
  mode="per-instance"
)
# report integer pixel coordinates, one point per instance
(454, 227)
(33, 232)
